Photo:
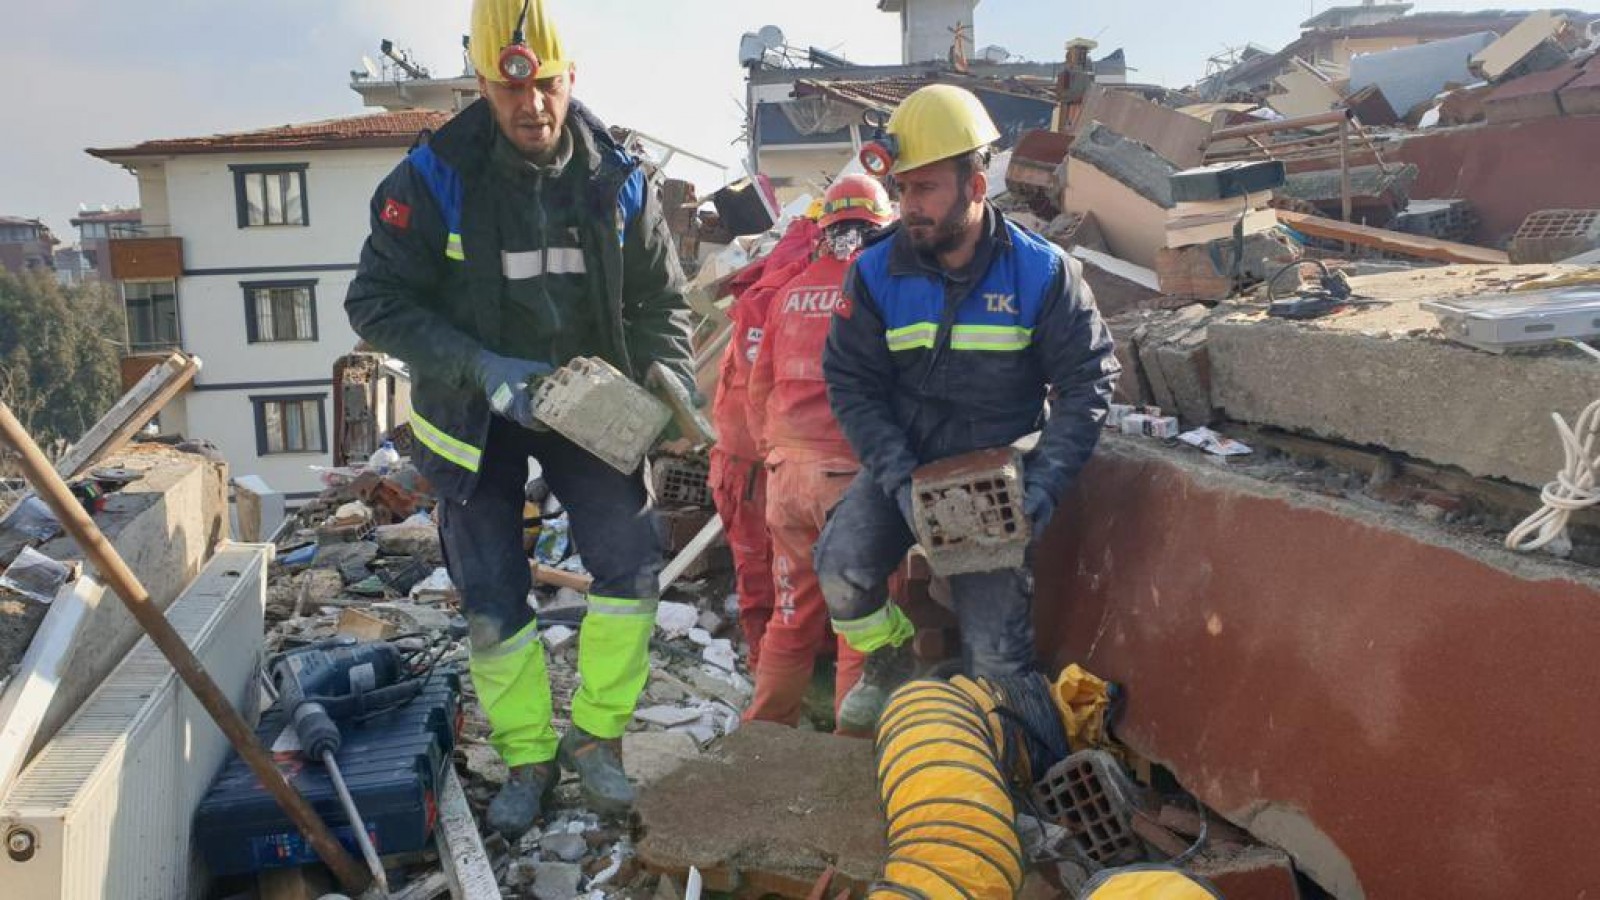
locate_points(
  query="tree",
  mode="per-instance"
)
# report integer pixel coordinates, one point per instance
(59, 352)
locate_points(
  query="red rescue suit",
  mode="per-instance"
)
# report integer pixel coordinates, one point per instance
(809, 465)
(738, 481)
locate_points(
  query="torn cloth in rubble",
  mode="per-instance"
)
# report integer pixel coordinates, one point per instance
(1086, 703)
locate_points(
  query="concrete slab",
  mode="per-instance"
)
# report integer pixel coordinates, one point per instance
(165, 526)
(1386, 377)
(769, 812)
(1402, 711)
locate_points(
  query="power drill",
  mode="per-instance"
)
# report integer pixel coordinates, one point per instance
(338, 680)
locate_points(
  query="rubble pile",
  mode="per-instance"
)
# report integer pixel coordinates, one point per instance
(364, 560)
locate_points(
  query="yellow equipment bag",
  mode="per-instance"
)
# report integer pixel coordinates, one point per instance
(1084, 701)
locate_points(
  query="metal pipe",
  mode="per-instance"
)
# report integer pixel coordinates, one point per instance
(115, 572)
(357, 824)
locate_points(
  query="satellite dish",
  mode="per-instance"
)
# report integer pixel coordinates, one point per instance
(369, 65)
(771, 36)
(996, 54)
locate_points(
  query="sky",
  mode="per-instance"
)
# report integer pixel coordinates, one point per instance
(82, 74)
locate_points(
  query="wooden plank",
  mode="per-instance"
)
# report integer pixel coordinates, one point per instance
(466, 863)
(701, 543)
(560, 578)
(1393, 241)
(131, 413)
(28, 694)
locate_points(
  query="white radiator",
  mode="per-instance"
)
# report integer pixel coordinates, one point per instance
(104, 810)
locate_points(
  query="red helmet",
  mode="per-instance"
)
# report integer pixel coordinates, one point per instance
(856, 198)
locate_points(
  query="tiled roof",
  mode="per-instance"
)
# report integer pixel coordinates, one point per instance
(385, 129)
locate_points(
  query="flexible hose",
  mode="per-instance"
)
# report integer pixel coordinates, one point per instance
(952, 823)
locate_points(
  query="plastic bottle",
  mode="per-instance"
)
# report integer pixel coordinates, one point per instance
(384, 458)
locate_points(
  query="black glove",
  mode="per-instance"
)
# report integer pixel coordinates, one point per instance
(507, 383)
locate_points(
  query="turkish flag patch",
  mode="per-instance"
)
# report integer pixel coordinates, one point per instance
(396, 214)
(844, 308)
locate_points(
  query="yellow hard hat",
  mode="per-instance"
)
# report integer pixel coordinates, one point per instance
(494, 23)
(938, 122)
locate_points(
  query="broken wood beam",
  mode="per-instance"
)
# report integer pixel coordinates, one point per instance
(466, 863)
(1388, 241)
(136, 408)
(561, 578)
(697, 547)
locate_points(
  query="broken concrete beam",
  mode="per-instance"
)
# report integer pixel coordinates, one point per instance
(1377, 194)
(1177, 573)
(1181, 139)
(1225, 180)
(968, 512)
(768, 812)
(1131, 163)
(1248, 873)
(165, 526)
(1425, 398)
(589, 402)
(1581, 96)
(1176, 363)
(1531, 97)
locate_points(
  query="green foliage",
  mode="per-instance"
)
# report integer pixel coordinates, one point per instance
(59, 352)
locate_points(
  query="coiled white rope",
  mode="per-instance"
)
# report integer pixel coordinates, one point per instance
(1574, 488)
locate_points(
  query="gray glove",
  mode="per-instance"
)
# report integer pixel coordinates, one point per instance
(507, 384)
(1038, 506)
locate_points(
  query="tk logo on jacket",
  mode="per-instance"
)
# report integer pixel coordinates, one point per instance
(1001, 303)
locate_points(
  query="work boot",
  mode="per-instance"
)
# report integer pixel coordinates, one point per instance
(885, 670)
(523, 799)
(598, 764)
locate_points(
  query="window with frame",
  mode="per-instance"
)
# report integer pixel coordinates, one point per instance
(152, 311)
(268, 196)
(277, 311)
(290, 424)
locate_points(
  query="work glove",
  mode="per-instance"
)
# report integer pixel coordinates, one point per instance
(508, 384)
(902, 499)
(1038, 506)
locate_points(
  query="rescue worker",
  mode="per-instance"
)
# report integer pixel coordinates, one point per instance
(809, 462)
(519, 237)
(738, 481)
(956, 325)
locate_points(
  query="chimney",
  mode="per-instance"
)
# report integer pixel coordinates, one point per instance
(928, 28)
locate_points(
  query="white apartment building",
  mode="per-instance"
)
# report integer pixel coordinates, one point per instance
(247, 246)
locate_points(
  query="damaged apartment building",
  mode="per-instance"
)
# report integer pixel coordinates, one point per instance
(1317, 618)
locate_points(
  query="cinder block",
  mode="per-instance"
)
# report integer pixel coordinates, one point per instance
(681, 481)
(1089, 795)
(589, 402)
(968, 511)
(1552, 235)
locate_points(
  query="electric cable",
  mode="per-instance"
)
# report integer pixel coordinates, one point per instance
(1574, 488)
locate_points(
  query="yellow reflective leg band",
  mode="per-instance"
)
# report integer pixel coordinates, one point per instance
(514, 691)
(614, 662)
(888, 627)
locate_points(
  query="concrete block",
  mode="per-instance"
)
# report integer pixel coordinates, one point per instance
(1553, 235)
(768, 812)
(681, 481)
(1203, 271)
(1315, 671)
(1176, 363)
(591, 403)
(968, 511)
(1428, 399)
(1128, 161)
(165, 526)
